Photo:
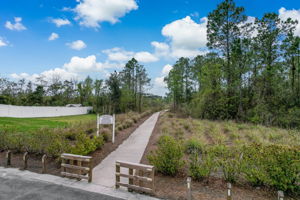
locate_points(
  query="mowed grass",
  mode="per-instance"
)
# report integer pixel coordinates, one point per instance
(33, 124)
(225, 132)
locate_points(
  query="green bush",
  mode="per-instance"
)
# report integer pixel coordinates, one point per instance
(282, 165)
(230, 162)
(84, 144)
(253, 167)
(52, 142)
(168, 157)
(201, 166)
(193, 146)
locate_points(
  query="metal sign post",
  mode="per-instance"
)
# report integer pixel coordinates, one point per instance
(104, 120)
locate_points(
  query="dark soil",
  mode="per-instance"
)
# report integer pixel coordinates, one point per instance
(53, 165)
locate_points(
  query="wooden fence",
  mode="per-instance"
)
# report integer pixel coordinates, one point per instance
(140, 177)
(76, 166)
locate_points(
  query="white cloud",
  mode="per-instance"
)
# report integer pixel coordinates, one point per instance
(284, 14)
(161, 48)
(166, 69)
(92, 12)
(88, 64)
(53, 36)
(73, 69)
(186, 36)
(121, 55)
(20, 76)
(159, 82)
(3, 43)
(59, 72)
(145, 57)
(160, 85)
(118, 54)
(77, 45)
(61, 22)
(17, 26)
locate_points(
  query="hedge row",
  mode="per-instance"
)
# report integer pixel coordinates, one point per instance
(277, 166)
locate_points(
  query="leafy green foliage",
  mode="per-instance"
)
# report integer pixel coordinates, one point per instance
(201, 165)
(168, 157)
(254, 76)
(193, 146)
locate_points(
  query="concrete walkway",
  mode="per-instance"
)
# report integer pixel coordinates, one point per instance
(18, 184)
(131, 150)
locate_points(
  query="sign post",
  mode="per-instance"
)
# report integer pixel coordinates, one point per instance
(104, 120)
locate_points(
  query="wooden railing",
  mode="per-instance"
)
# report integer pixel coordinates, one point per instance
(140, 177)
(76, 166)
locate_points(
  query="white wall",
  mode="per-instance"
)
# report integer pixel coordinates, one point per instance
(40, 111)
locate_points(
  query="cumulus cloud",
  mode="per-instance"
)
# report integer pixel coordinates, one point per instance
(77, 45)
(284, 14)
(61, 22)
(159, 83)
(121, 55)
(145, 57)
(161, 48)
(53, 36)
(17, 26)
(166, 69)
(118, 54)
(87, 64)
(91, 13)
(3, 43)
(186, 36)
(73, 69)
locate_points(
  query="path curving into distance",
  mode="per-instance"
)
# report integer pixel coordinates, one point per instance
(131, 150)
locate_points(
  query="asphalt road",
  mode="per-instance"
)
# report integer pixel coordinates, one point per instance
(19, 189)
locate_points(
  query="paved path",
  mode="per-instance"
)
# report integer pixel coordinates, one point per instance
(18, 184)
(14, 188)
(131, 150)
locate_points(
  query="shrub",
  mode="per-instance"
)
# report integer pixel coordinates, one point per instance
(201, 167)
(106, 133)
(253, 166)
(193, 146)
(282, 166)
(84, 144)
(230, 163)
(168, 157)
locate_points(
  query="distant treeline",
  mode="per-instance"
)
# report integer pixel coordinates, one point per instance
(121, 92)
(252, 72)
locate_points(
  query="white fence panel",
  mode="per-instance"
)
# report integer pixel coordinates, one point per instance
(40, 111)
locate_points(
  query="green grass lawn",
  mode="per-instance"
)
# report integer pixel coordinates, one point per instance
(33, 124)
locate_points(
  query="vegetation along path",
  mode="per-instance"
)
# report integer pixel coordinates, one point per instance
(131, 150)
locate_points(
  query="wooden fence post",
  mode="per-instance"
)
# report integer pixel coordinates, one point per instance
(8, 158)
(130, 179)
(44, 162)
(280, 195)
(152, 177)
(25, 160)
(189, 190)
(90, 171)
(141, 174)
(118, 170)
(229, 196)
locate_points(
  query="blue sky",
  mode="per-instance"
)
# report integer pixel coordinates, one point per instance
(76, 38)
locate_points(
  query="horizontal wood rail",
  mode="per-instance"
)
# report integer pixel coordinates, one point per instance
(140, 177)
(77, 166)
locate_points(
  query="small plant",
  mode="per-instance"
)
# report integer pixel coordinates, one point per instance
(201, 166)
(193, 146)
(231, 164)
(106, 133)
(168, 157)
